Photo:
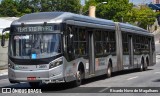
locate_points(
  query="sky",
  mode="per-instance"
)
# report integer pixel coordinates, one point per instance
(140, 1)
(134, 1)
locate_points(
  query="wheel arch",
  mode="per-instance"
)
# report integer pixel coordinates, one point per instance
(142, 60)
(110, 62)
(147, 60)
(82, 67)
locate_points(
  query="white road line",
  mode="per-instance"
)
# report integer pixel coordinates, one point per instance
(157, 72)
(3, 74)
(3, 79)
(157, 42)
(132, 78)
(104, 89)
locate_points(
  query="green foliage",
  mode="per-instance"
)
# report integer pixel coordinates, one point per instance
(116, 10)
(20, 7)
(24, 7)
(70, 6)
(9, 8)
(142, 16)
(92, 2)
(6, 36)
(122, 11)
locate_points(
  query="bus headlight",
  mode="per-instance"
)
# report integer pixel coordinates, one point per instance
(56, 63)
(10, 65)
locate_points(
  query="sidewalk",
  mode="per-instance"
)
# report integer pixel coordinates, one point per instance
(3, 69)
(3, 72)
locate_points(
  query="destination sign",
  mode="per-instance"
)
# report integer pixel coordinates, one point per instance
(35, 28)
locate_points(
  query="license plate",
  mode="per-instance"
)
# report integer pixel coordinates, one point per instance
(31, 78)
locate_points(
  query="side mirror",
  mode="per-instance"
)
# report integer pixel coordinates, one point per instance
(3, 41)
(3, 36)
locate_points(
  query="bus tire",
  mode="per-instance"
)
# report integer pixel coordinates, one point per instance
(34, 84)
(78, 80)
(109, 70)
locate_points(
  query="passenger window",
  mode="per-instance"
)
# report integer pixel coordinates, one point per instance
(125, 43)
(80, 41)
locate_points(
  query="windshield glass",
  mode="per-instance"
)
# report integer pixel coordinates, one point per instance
(35, 46)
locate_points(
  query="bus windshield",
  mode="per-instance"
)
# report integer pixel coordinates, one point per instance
(35, 46)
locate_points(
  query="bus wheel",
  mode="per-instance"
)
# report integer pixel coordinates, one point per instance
(78, 80)
(34, 84)
(109, 71)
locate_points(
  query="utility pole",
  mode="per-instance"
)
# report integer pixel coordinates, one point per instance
(92, 9)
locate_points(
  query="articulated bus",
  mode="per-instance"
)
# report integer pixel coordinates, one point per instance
(55, 47)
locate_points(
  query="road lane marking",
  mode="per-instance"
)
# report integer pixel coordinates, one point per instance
(104, 89)
(157, 42)
(3, 79)
(132, 78)
(157, 72)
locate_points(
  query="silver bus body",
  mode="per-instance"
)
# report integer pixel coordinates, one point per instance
(91, 62)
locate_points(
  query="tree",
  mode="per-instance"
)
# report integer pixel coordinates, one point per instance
(114, 9)
(141, 17)
(122, 11)
(24, 7)
(158, 17)
(56, 5)
(21, 7)
(9, 8)
(68, 6)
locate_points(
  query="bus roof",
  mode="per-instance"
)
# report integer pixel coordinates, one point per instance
(134, 29)
(53, 17)
(59, 17)
(131, 27)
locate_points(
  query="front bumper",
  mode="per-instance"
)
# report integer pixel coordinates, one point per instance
(54, 75)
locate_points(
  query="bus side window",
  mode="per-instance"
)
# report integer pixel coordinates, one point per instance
(75, 41)
(125, 43)
(109, 42)
(80, 41)
(105, 42)
(99, 42)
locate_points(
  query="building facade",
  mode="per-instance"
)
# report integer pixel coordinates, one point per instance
(156, 1)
